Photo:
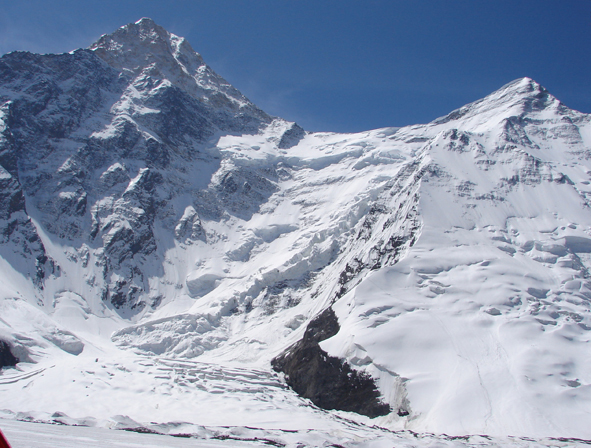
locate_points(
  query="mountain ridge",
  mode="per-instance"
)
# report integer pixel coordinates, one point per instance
(151, 213)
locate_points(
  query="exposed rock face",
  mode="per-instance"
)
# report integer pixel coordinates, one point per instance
(18, 234)
(7, 359)
(291, 136)
(328, 382)
(92, 137)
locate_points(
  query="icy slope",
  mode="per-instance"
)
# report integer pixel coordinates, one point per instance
(486, 319)
(164, 240)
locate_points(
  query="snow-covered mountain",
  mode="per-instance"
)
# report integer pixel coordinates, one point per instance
(167, 248)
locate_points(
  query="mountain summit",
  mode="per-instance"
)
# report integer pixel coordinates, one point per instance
(514, 99)
(164, 243)
(149, 52)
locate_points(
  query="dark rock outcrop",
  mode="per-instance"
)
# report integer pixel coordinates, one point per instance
(17, 230)
(7, 359)
(291, 137)
(329, 382)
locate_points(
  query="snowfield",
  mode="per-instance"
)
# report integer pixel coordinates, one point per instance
(163, 240)
(35, 435)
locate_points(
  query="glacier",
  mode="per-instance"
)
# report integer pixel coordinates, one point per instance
(168, 250)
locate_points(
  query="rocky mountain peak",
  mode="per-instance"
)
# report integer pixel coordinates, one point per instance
(147, 53)
(137, 45)
(144, 29)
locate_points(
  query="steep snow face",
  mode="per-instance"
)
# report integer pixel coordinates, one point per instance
(486, 319)
(150, 214)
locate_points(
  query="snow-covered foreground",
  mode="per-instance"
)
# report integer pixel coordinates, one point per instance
(22, 434)
(38, 435)
(151, 269)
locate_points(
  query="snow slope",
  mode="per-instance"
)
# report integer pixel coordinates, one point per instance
(487, 316)
(164, 240)
(22, 434)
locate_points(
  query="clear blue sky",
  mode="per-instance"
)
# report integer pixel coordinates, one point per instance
(345, 65)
